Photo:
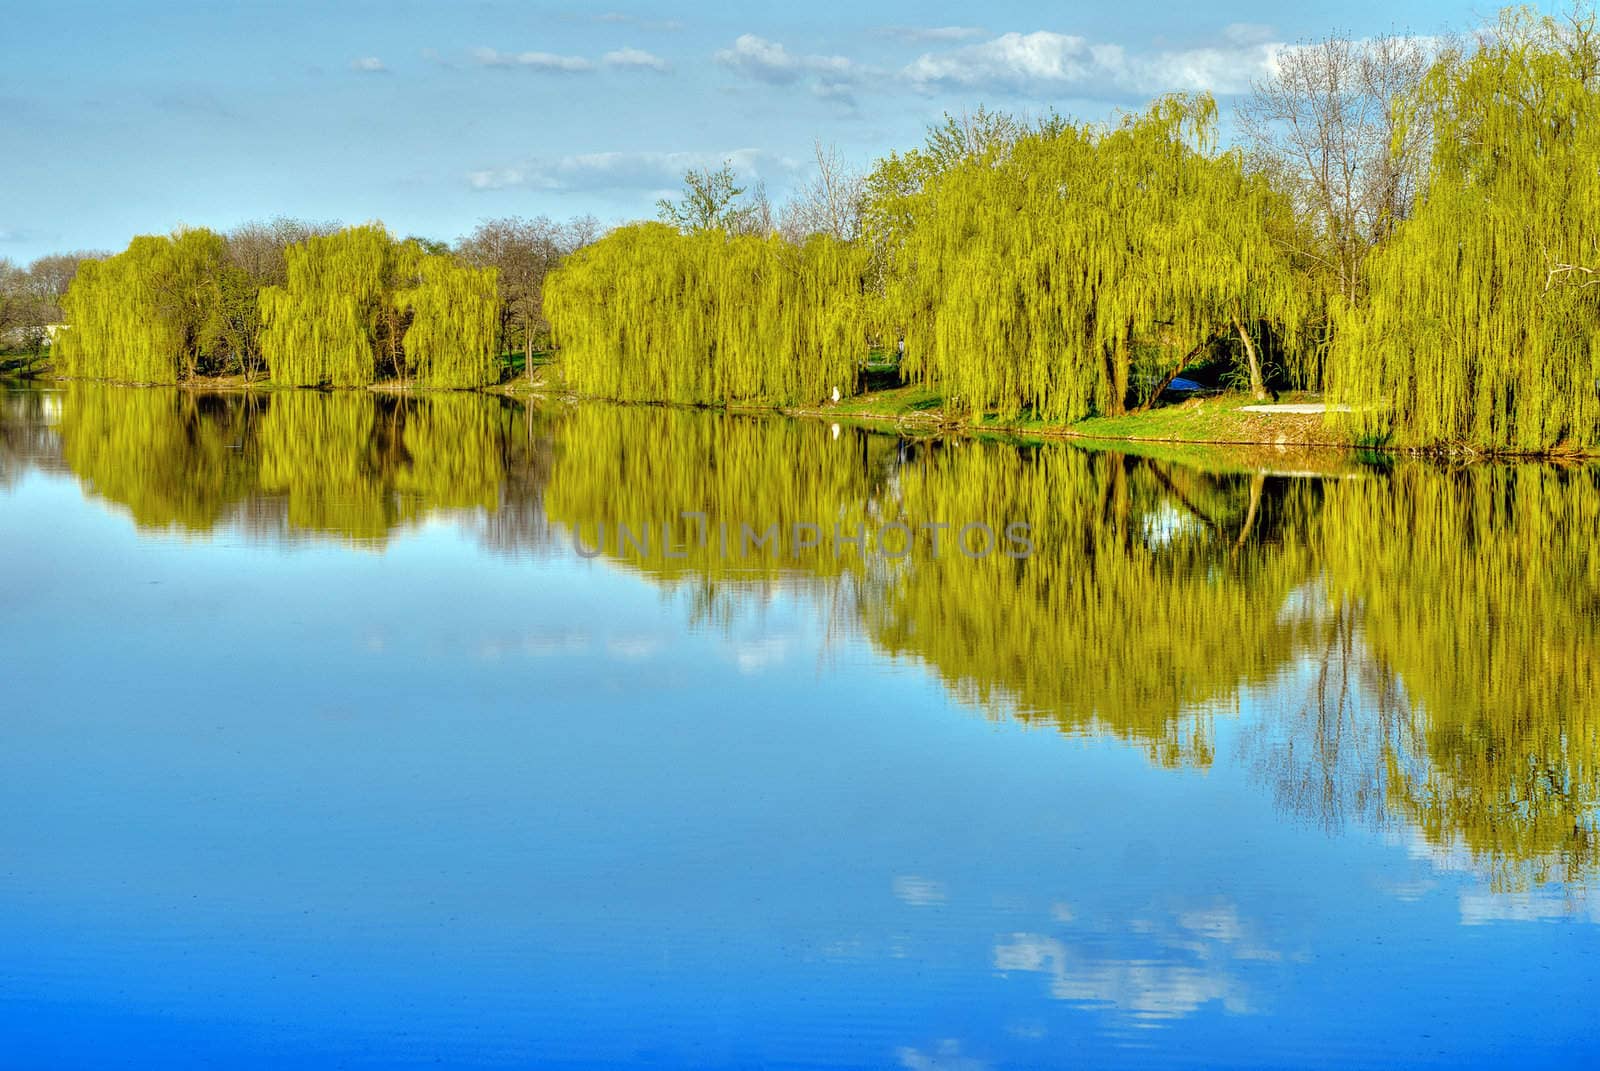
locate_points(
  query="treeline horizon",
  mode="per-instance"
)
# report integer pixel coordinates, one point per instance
(1410, 226)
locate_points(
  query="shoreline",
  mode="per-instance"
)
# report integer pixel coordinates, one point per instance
(1216, 420)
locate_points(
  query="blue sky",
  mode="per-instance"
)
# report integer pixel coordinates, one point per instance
(121, 119)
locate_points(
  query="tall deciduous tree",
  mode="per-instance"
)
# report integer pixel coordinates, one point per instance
(147, 314)
(1329, 123)
(1039, 273)
(1482, 322)
(523, 252)
(651, 313)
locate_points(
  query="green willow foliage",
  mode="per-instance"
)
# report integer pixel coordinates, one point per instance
(652, 314)
(1029, 275)
(452, 340)
(1482, 327)
(323, 326)
(357, 304)
(150, 314)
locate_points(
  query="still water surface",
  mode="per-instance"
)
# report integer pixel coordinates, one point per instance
(323, 745)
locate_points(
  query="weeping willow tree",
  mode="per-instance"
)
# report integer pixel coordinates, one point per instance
(148, 314)
(649, 313)
(1475, 596)
(323, 326)
(452, 340)
(1482, 326)
(1037, 272)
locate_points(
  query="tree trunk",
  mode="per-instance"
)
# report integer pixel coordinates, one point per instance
(1166, 381)
(1258, 386)
(1117, 378)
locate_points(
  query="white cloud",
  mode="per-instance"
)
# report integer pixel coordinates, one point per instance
(368, 65)
(537, 61)
(1249, 33)
(768, 61)
(830, 78)
(1045, 61)
(618, 18)
(638, 171)
(635, 58)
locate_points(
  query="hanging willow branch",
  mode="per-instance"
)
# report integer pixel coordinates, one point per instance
(652, 314)
(1463, 340)
(1037, 278)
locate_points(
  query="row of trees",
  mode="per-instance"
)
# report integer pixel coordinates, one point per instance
(307, 303)
(1408, 223)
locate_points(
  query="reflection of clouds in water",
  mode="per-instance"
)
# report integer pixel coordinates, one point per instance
(1484, 903)
(633, 648)
(944, 1056)
(543, 644)
(1482, 906)
(555, 642)
(754, 656)
(1219, 923)
(1188, 968)
(1147, 989)
(918, 891)
(1409, 891)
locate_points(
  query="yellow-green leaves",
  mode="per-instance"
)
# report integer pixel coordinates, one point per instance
(145, 315)
(1480, 329)
(1038, 274)
(322, 327)
(452, 338)
(358, 304)
(651, 314)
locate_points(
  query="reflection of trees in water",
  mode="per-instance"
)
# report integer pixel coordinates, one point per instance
(354, 465)
(645, 468)
(516, 525)
(26, 439)
(1479, 590)
(1325, 752)
(1140, 604)
(1426, 639)
(174, 459)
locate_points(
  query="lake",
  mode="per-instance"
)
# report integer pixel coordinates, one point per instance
(354, 730)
